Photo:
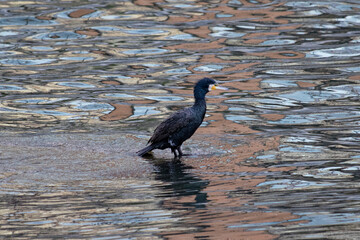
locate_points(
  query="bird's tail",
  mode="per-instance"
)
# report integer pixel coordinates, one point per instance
(145, 150)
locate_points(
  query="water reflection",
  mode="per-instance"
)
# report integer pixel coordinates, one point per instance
(83, 213)
(178, 181)
(21, 21)
(277, 155)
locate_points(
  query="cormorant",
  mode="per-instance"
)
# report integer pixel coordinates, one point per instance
(181, 125)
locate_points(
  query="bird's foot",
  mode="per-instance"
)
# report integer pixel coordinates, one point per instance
(176, 159)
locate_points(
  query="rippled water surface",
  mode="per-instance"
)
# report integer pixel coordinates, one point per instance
(84, 83)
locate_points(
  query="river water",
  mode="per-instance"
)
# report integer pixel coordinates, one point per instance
(84, 84)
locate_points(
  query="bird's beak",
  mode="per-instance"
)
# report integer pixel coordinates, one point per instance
(219, 87)
(214, 86)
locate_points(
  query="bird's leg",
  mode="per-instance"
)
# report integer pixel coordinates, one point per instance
(179, 150)
(173, 150)
(181, 153)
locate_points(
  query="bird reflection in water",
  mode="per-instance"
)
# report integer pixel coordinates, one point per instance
(177, 180)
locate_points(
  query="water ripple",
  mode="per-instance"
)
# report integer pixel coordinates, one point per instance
(276, 157)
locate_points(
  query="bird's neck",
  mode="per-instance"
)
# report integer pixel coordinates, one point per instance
(200, 103)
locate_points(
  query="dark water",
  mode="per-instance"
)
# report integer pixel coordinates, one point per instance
(84, 83)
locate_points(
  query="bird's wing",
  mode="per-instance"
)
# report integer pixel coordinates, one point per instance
(171, 125)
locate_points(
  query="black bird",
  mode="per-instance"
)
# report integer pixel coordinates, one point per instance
(181, 125)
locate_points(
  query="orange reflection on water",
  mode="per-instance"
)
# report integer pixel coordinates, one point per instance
(222, 216)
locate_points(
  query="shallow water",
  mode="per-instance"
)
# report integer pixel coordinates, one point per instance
(83, 84)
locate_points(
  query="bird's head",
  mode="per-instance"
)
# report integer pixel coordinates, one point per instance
(204, 86)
